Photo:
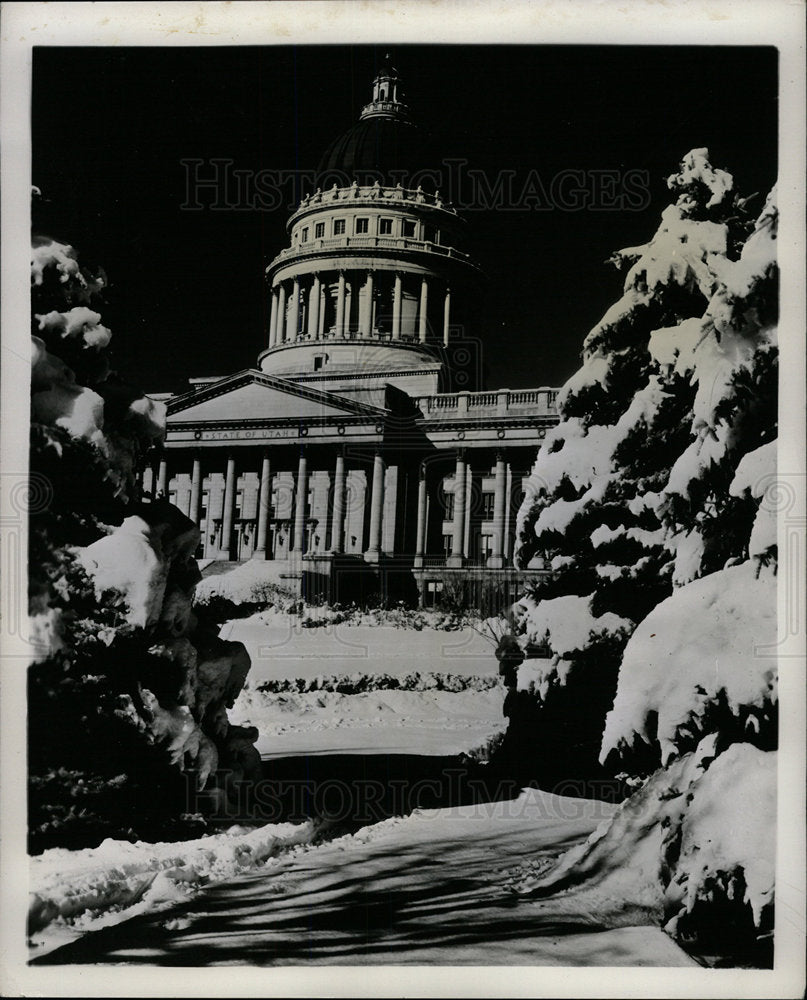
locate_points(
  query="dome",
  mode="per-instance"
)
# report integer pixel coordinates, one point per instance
(384, 144)
(379, 145)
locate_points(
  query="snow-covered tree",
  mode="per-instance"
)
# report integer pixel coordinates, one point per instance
(649, 500)
(126, 689)
(600, 507)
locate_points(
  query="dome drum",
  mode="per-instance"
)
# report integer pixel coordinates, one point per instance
(394, 304)
(373, 263)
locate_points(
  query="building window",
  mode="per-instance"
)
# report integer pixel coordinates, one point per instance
(408, 227)
(429, 234)
(304, 235)
(362, 225)
(385, 227)
(449, 502)
(338, 227)
(488, 500)
(447, 544)
(319, 361)
(319, 231)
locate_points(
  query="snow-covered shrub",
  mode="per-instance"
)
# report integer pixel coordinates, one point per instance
(125, 691)
(241, 591)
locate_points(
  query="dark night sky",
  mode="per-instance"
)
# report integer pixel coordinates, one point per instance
(187, 296)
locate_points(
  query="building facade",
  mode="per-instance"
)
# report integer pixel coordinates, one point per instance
(360, 453)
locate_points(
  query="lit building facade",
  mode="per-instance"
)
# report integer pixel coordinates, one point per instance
(356, 453)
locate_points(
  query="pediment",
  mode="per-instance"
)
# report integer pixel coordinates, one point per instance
(253, 395)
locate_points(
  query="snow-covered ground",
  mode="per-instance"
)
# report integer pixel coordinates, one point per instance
(280, 646)
(438, 887)
(426, 720)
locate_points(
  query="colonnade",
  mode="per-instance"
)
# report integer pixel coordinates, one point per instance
(157, 480)
(299, 306)
(459, 554)
(497, 529)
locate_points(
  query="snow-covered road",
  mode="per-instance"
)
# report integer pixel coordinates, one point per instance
(439, 887)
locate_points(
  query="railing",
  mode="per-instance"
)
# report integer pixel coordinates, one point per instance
(370, 243)
(434, 562)
(373, 192)
(481, 399)
(500, 402)
(380, 106)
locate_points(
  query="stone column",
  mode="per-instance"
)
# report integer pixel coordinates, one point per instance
(294, 311)
(340, 306)
(508, 516)
(467, 541)
(376, 509)
(300, 499)
(196, 490)
(264, 507)
(446, 316)
(162, 478)
(348, 305)
(420, 538)
(424, 306)
(273, 319)
(495, 559)
(321, 327)
(338, 516)
(313, 308)
(280, 325)
(366, 323)
(396, 308)
(458, 532)
(229, 507)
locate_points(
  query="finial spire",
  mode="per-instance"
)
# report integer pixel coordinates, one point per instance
(387, 94)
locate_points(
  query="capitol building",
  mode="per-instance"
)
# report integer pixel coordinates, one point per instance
(361, 453)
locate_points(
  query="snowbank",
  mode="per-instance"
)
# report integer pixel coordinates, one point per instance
(427, 720)
(698, 833)
(97, 887)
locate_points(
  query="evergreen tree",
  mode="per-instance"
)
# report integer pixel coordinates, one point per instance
(629, 496)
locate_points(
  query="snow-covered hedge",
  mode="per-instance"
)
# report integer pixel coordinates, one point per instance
(359, 683)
